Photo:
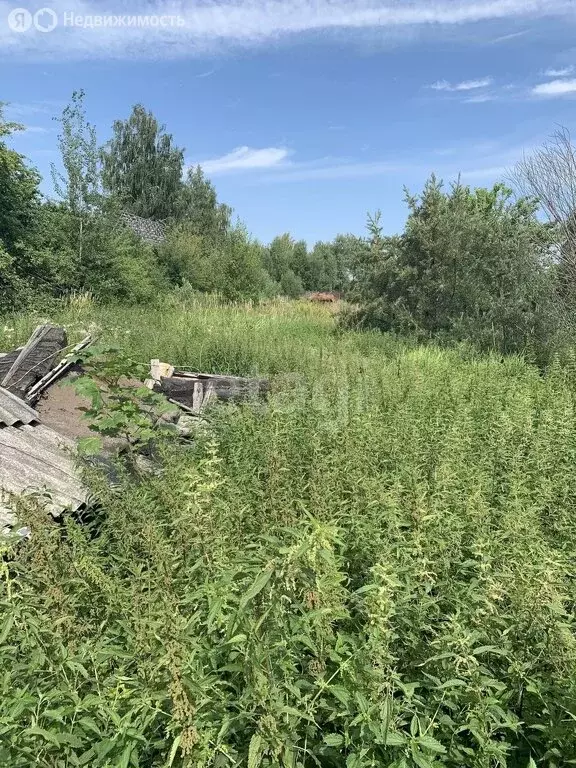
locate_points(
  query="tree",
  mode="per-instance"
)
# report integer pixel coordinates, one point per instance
(549, 175)
(143, 168)
(19, 206)
(90, 248)
(470, 265)
(78, 184)
(200, 209)
(19, 196)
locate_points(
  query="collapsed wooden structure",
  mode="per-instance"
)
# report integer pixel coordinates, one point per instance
(35, 459)
(195, 391)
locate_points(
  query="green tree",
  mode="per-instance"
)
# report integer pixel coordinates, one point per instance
(200, 209)
(19, 206)
(142, 167)
(78, 183)
(19, 196)
(470, 265)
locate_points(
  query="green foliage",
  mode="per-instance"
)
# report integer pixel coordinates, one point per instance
(119, 406)
(470, 265)
(328, 267)
(230, 264)
(376, 569)
(19, 203)
(142, 167)
(19, 195)
(200, 210)
(79, 183)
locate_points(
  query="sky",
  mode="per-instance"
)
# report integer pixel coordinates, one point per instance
(306, 114)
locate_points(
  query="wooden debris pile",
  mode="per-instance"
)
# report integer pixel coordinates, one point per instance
(33, 458)
(30, 370)
(39, 460)
(193, 392)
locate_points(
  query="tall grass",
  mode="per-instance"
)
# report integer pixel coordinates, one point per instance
(375, 569)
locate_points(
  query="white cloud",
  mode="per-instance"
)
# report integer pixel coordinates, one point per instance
(492, 161)
(219, 24)
(465, 85)
(560, 72)
(246, 159)
(511, 36)
(555, 88)
(18, 111)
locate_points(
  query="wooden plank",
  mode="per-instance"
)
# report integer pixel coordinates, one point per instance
(159, 370)
(263, 385)
(35, 360)
(196, 392)
(56, 373)
(7, 361)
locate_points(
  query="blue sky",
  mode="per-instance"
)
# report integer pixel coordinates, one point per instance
(307, 114)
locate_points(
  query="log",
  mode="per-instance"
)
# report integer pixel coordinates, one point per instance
(258, 386)
(35, 360)
(195, 390)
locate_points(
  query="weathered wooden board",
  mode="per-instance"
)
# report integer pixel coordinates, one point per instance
(193, 390)
(35, 360)
(57, 372)
(7, 361)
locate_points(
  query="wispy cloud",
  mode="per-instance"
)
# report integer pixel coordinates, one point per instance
(480, 98)
(511, 36)
(465, 85)
(216, 25)
(555, 88)
(35, 129)
(559, 72)
(20, 111)
(492, 161)
(246, 159)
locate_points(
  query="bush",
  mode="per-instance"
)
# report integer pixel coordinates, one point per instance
(230, 265)
(470, 266)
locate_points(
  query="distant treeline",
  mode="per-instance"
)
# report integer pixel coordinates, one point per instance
(479, 266)
(78, 242)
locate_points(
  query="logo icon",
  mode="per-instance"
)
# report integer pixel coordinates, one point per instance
(45, 20)
(20, 20)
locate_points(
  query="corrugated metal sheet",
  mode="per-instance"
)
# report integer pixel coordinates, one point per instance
(35, 459)
(14, 411)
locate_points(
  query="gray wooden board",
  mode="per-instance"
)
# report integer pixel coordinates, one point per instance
(185, 390)
(35, 359)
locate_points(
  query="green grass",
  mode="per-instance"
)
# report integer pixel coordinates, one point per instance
(377, 569)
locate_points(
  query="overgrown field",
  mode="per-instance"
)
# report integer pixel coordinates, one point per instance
(376, 569)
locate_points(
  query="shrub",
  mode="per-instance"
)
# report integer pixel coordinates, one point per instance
(470, 265)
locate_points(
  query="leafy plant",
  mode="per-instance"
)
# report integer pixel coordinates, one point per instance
(120, 406)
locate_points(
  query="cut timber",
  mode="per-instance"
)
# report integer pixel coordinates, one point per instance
(196, 390)
(158, 371)
(35, 360)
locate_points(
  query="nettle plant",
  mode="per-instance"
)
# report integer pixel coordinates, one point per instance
(120, 405)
